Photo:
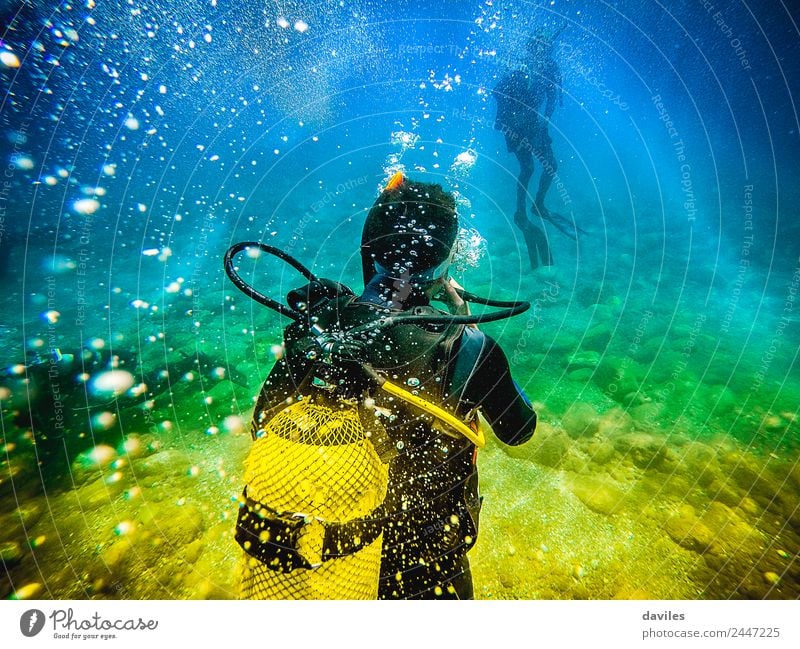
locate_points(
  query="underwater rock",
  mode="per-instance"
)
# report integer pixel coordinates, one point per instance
(677, 485)
(647, 416)
(718, 532)
(164, 464)
(728, 527)
(580, 420)
(191, 552)
(583, 375)
(14, 524)
(10, 553)
(90, 463)
(600, 494)
(722, 490)
(171, 524)
(660, 371)
(773, 422)
(215, 554)
(548, 446)
(551, 448)
(113, 570)
(647, 352)
(597, 338)
(116, 555)
(750, 476)
(615, 422)
(721, 399)
(575, 461)
(619, 377)
(600, 451)
(604, 312)
(645, 451)
(688, 531)
(98, 493)
(700, 460)
(583, 359)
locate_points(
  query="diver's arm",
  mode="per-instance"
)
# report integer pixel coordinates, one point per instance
(505, 406)
(553, 90)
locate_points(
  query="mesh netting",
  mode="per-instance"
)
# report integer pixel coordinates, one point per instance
(351, 577)
(316, 460)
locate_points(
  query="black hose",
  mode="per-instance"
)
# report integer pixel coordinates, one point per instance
(508, 309)
(511, 309)
(477, 299)
(252, 293)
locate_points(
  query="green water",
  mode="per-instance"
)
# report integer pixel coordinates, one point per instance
(663, 466)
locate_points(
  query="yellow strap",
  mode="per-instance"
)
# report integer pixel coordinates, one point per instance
(476, 438)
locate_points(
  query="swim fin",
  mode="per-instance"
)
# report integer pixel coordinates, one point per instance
(560, 222)
(536, 242)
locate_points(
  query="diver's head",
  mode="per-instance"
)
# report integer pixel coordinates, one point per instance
(409, 233)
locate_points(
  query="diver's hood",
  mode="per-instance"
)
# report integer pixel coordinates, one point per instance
(409, 232)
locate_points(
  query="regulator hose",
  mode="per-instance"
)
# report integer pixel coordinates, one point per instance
(507, 309)
(256, 295)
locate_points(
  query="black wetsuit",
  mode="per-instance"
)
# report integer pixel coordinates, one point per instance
(431, 508)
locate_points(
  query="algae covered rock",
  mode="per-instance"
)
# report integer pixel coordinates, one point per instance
(597, 338)
(719, 531)
(102, 491)
(10, 553)
(548, 446)
(600, 451)
(755, 479)
(647, 416)
(619, 377)
(172, 524)
(731, 533)
(583, 375)
(688, 531)
(580, 420)
(583, 359)
(615, 422)
(700, 461)
(551, 449)
(600, 494)
(166, 463)
(645, 451)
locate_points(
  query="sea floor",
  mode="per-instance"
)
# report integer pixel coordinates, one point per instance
(591, 508)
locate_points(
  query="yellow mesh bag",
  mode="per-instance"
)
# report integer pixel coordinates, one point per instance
(317, 461)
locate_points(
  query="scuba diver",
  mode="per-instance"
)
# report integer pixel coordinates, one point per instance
(397, 509)
(520, 95)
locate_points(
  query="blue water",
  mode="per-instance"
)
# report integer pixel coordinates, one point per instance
(140, 139)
